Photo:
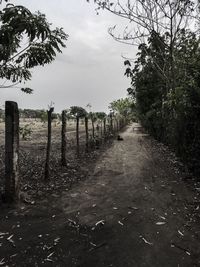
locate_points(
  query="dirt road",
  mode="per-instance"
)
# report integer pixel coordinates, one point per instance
(133, 210)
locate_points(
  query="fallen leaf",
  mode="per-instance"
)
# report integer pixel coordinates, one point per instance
(2, 234)
(146, 242)
(162, 217)
(100, 222)
(160, 223)
(180, 233)
(11, 241)
(120, 223)
(2, 262)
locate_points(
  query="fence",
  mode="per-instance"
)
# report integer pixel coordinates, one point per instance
(79, 136)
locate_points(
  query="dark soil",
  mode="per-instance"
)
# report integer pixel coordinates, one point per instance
(128, 205)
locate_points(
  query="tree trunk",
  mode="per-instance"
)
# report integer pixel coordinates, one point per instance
(111, 123)
(93, 130)
(101, 128)
(11, 151)
(104, 127)
(77, 135)
(63, 136)
(86, 134)
(47, 167)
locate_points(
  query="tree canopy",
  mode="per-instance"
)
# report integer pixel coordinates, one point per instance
(78, 112)
(124, 107)
(27, 40)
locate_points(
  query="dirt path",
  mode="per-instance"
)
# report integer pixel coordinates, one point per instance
(133, 210)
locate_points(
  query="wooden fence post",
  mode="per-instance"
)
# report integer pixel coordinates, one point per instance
(47, 167)
(86, 134)
(77, 135)
(104, 127)
(11, 151)
(111, 123)
(93, 130)
(63, 137)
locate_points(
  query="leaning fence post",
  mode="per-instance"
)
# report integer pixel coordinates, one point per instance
(63, 136)
(47, 167)
(11, 151)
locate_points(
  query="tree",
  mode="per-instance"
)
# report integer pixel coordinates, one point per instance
(27, 40)
(123, 107)
(159, 18)
(78, 112)
(93, 118)
(101, 116)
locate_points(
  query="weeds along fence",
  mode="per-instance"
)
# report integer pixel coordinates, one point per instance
(37, 148)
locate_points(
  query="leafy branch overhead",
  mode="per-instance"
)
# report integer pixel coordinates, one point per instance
(27, 40)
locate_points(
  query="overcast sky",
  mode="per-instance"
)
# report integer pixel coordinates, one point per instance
(90, 69)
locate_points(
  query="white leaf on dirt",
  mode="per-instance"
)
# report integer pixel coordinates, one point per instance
(50, 254)
(2, 262)
(14, 255)
(56, 240)
(133, 208)
(188, 253)
(180, 233)
(160, 223)
(162, 217)
(147, 242)
(129, 212)
(39, 236)
(10, 237)
(115, 208)
(94, 245)
(73, 222)
(10, 240)
(100, 222)
(2, 234)
(197, 208)
(120, 223)
(94, 205)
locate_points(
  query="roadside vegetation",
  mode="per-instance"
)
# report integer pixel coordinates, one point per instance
(165, 75)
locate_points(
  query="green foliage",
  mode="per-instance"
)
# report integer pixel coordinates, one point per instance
(78, 112)
(170, 114)
(25, 132)
(92, 116)
(26, 41)
(100, 115)
(124, 107)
